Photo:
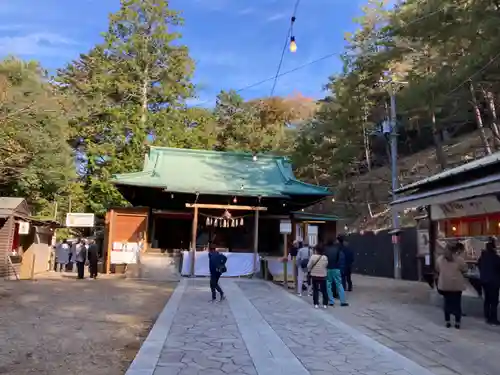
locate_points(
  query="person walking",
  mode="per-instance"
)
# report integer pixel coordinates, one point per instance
(80, 257)
(489, 273)
(334, 275)
(346, 269)
(317, 267)
(451, 269)
(303, 256)
(217, 265)
(93, 257)
(62, 254)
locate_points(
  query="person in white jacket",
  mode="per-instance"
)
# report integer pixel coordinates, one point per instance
(303, 255)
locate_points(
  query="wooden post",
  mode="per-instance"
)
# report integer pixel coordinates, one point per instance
(194, 230)
(285, 261)
(153, 232)
(32, 271)
(255, 242)
(110, 241)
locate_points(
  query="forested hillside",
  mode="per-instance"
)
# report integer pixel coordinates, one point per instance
(63, 137)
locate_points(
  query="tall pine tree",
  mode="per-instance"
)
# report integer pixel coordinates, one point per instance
(131, 90)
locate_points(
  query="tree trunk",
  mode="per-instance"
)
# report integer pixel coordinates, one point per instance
(144, 98)
(490, 99)
(479, 120)
(438, 144)
(366, 142)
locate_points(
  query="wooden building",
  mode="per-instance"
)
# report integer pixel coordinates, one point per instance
(25, 243)
(462, 203)
(189, 199)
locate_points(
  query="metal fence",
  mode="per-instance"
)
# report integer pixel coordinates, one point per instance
(374, 253)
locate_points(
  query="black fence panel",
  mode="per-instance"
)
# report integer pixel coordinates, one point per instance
(374, 253)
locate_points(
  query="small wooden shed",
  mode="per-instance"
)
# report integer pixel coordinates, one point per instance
(25, 243)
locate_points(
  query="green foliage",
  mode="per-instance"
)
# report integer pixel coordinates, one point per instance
(106, 107)
(35, 160)
(131, 90)
(430, 49)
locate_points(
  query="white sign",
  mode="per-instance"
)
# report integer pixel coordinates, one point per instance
(124, 252)
(312, 230)
(427, 260)
(470, 207)
(312, 234)
(285, 227)
(24, 227)
(80, 220)
(423, 244)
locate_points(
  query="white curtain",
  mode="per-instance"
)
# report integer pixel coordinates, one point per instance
(238, 264)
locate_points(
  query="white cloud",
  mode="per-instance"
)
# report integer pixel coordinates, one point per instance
(35, 44)
(227, 59)
(13, 27)
(246, 11)
(213, 5)
(276, 17)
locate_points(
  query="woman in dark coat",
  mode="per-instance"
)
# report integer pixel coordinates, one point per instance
(93, 257)
(489, 269)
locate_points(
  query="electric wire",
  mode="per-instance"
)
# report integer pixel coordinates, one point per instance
(327, 56)
(287, 40)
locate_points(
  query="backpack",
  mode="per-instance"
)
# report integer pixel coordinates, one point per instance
(221, 268)
(305, 262)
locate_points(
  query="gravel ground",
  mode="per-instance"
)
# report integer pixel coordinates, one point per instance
(59, 325)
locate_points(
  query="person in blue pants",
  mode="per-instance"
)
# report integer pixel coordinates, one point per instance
(334, 275)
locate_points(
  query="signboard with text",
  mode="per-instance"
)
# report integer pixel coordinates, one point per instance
(80, 220)
(488, 204)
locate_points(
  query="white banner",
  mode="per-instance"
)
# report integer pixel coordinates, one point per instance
(238, 264)
(275, 267)
(124, 252)
(488, 204)
(80, 220)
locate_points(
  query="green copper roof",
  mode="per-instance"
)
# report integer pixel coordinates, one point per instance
(309, 216)
(219, 173)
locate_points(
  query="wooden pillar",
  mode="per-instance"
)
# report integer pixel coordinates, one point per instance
(109, 241)
(194, 231)
(153, 231)
(433, 235)
(294, 228)
(255, 242)
(285, 260)
(306, 232)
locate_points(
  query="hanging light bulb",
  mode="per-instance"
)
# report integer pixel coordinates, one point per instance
(293, 45)
(235, 200)
(172, 196)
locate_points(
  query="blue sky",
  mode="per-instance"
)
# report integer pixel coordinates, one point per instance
(235, 43)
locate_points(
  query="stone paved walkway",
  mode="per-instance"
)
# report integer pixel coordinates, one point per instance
(398, 314)
(259, 330)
